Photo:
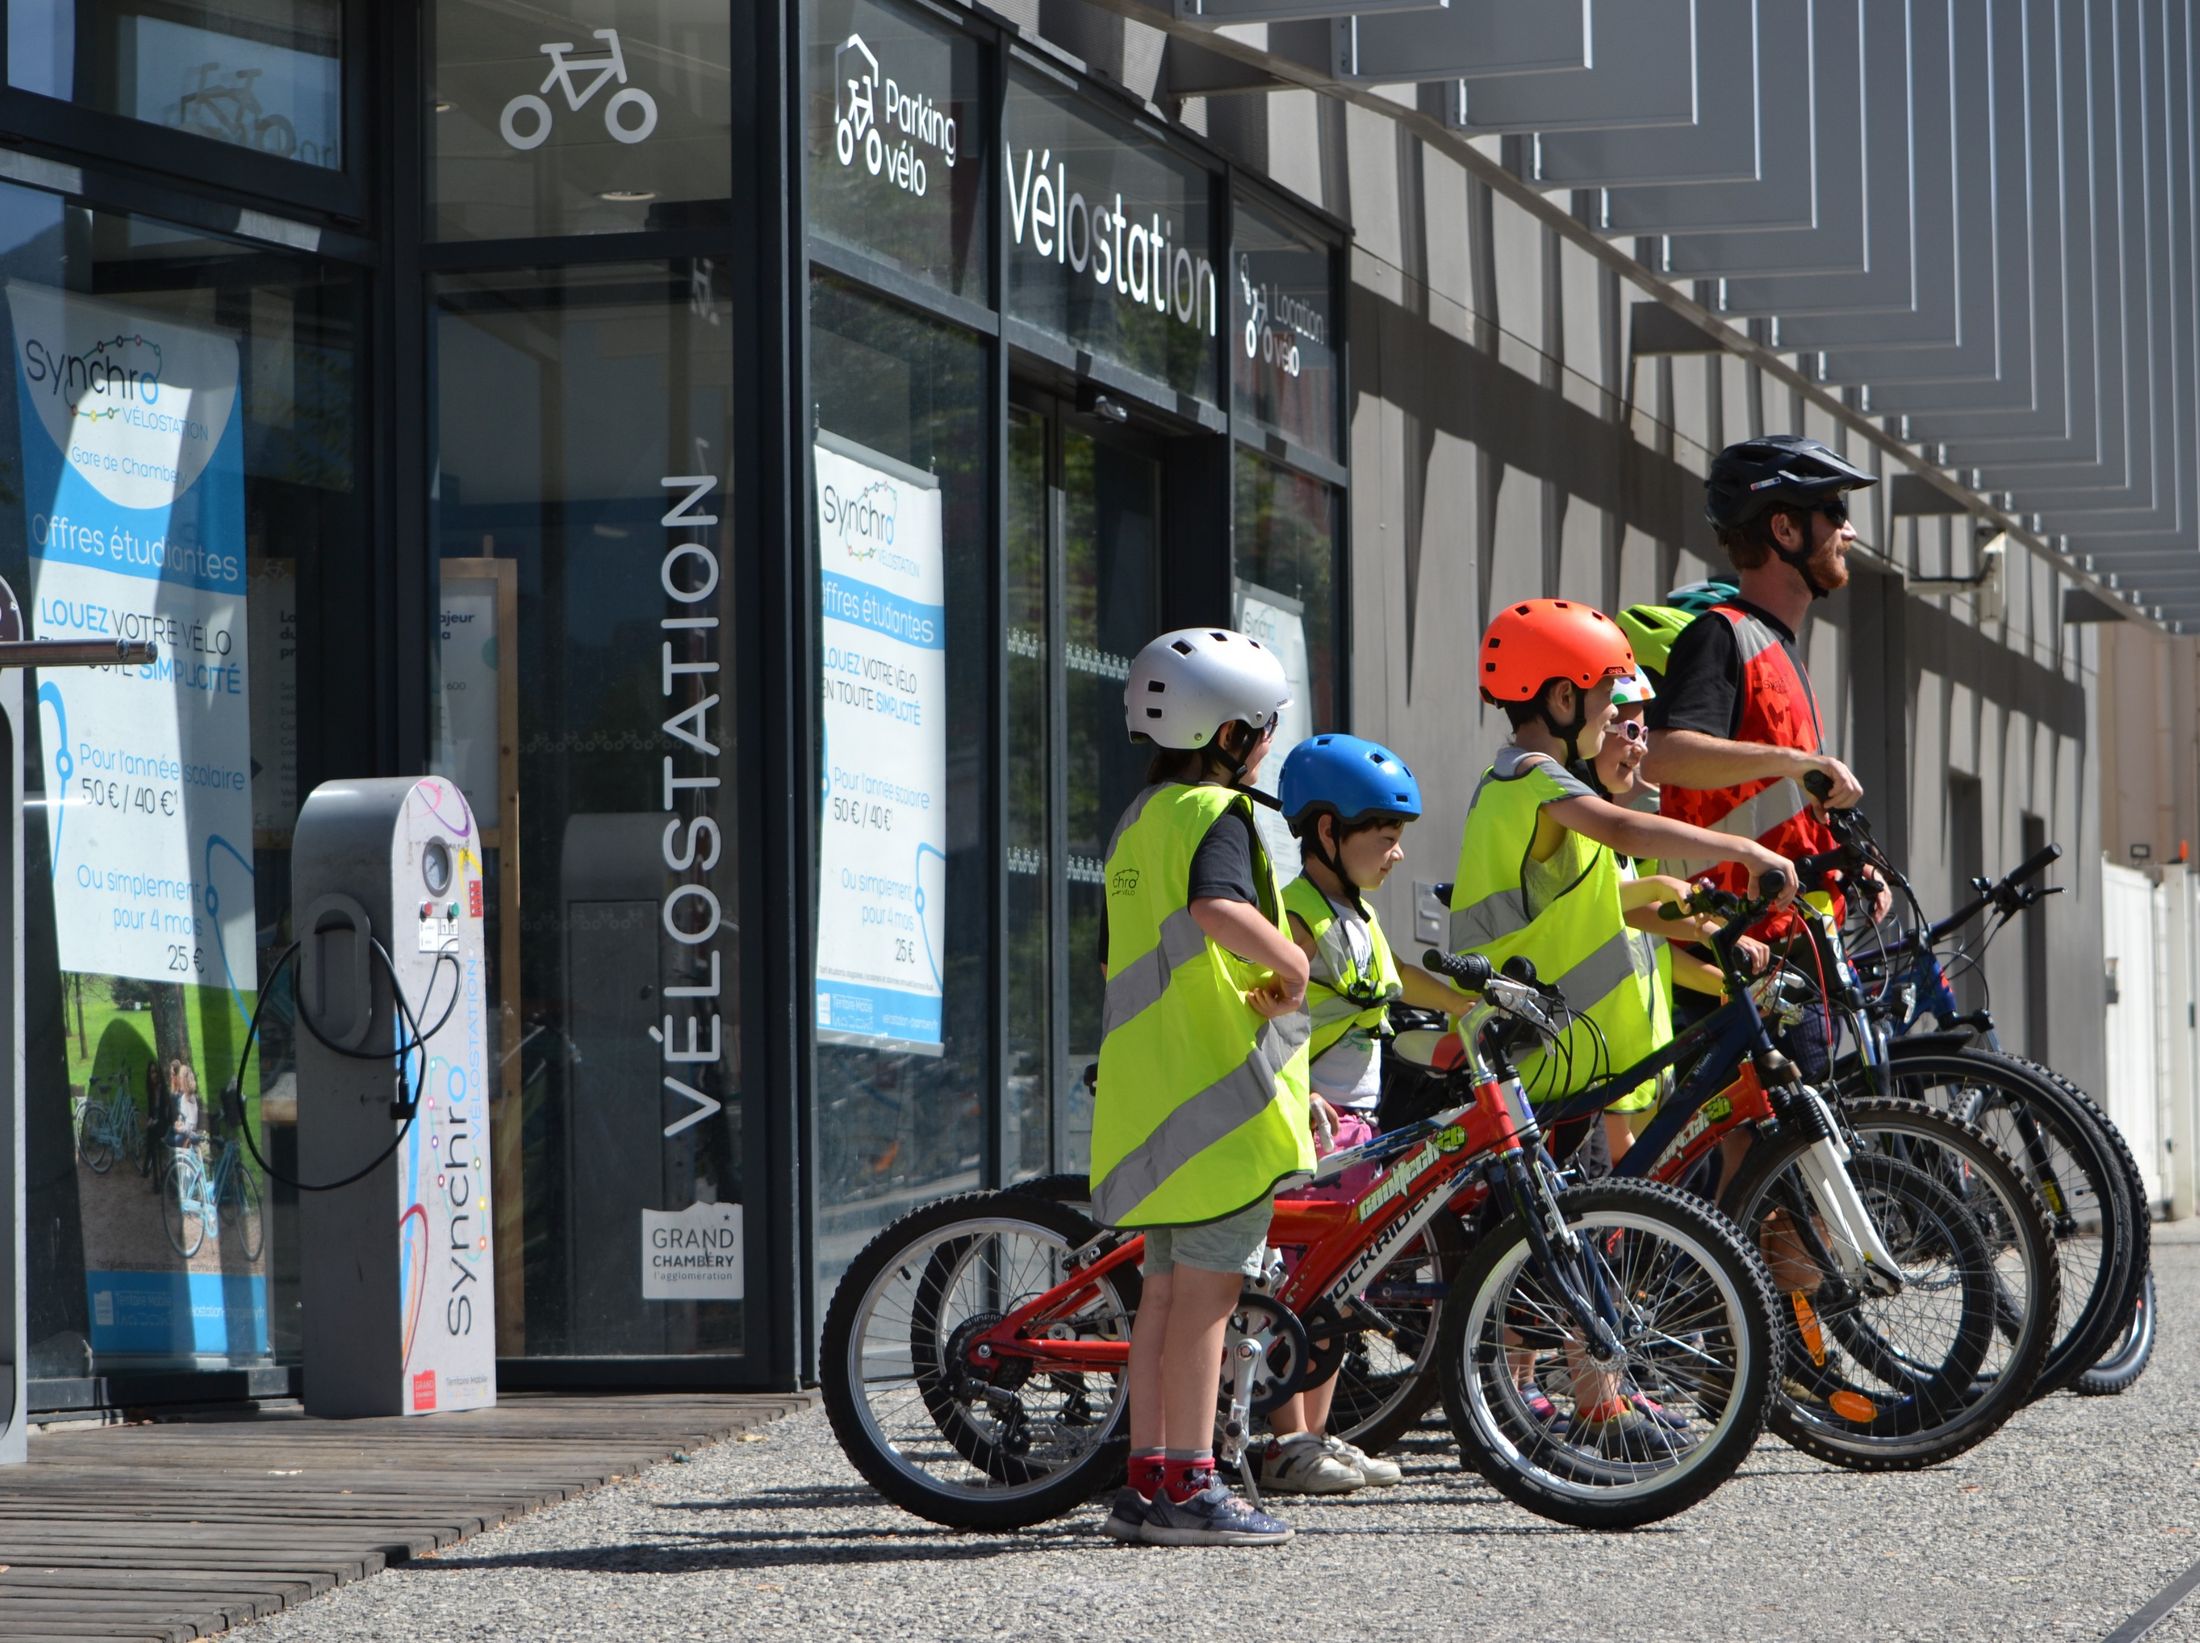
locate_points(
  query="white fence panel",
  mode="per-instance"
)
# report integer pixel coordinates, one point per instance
(2135, 925)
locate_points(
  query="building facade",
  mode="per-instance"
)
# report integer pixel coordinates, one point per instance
(743, 445)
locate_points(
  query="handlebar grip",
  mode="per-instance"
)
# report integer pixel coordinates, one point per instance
(1521, 968)
(1818, 785)
(2037, 864)
(1469, 970)
(1771, 884)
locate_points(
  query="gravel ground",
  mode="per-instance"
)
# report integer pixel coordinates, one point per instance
(2064, 1524)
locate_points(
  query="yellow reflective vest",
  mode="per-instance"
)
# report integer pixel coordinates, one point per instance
(1342, 995)
(1565, 915)
(1201, 1107)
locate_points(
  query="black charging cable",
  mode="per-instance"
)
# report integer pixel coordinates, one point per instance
(405, 1107)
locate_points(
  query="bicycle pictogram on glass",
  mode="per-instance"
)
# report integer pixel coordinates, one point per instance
(629, 115)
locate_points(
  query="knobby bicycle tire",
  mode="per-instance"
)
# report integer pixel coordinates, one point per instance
(1946, 1417)
(971, 1496)
(2142, 1218)
(2098, 1290)
(2128, 1356)
(1732, 1354)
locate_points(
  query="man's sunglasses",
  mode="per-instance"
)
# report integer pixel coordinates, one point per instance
(1835, 508)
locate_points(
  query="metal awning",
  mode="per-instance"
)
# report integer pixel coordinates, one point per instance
(1969, 224)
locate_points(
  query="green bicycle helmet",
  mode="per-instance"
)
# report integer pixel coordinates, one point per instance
(1701, 596)
(1652, 630)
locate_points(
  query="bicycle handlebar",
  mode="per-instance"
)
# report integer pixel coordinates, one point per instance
(1469, 970)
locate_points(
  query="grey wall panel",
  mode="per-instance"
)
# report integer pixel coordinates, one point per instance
(1469, 38)
(1219, 13)
(1722, 145)
(1840, 240)
(1785, 192)
(1888, 278)
(1644, 75)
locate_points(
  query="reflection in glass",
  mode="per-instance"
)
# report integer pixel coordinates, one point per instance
(260, 74)
(565, 399)
(597, 117)
(1111, 530)
(1110, 238)
(894, 128)
(123, 1069)
(1028, 973)
(895, 1128)
(1287, 543)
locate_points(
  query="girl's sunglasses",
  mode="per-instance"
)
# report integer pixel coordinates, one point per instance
(1633, 730)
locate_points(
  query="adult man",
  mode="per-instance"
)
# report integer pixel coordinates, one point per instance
(1735, 729)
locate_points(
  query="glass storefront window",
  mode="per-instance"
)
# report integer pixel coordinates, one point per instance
(896, 141)
(1287, 562)
(584, 440)
(604, 116)
(1110, 238)
(261, 74)
(176, 462)
(906, 969)
(1283, 354)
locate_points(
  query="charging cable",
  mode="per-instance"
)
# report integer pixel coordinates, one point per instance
(405, 1106)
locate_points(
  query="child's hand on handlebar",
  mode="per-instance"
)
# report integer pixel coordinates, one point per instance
(1763, 864)
(1752, 955)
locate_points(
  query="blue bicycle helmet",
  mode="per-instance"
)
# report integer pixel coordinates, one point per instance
(1358, 779)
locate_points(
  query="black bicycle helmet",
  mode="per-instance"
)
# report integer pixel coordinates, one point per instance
(1777, 471)
(1748, 480)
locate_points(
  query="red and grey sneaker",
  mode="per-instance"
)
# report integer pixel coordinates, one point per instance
(1212, 1517)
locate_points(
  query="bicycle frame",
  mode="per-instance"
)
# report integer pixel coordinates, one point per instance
(1494, 1132)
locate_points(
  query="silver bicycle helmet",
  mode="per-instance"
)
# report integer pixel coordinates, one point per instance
(1185, 686)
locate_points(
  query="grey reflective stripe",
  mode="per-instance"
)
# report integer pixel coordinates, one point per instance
(1753, 639)
(1237, 1097)
(1136, 809)
(1586, 984)
(1140, 983)
(1491, 919)
(1752, 819)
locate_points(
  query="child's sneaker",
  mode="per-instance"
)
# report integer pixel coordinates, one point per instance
(1372, 1469)
(1652, 1409)
(1302, 1464)
(1618, 1430)
(1126, 1520)
(1547, 1413)
(1213, 1517)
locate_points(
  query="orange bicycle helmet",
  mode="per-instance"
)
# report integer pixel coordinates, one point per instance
(1535, 641)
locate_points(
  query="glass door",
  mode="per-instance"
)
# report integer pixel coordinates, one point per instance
(1083, 548)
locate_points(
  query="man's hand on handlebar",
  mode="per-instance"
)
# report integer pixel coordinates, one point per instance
(1831, 783)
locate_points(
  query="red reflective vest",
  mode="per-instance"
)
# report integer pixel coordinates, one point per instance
(1780, 710)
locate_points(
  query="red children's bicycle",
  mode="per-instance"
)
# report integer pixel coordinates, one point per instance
(1606, 1349)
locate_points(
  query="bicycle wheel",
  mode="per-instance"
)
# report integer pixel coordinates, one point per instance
(1695, 1331)
(2066, 1157)
(971, 1448)
(2128, 1355)
(1387, 1378)
(2142, 1211)
(95, 1144)
(240, 1207)
(182, 1204)
(1895, 1382)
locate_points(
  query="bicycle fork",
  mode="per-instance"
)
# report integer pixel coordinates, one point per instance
(1859, 1253)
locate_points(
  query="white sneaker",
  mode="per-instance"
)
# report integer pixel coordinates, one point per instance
(1301, 1465)
(1372, 1468)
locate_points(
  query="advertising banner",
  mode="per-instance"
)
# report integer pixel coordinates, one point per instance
(882, 853)
(1279, 621)
(134, 498)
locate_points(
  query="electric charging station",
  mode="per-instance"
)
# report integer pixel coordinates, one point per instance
(397, 1271)
(17, 653)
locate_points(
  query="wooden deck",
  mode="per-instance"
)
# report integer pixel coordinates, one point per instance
(177, 1530)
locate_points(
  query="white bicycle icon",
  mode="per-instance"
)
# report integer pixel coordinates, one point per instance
(629, 115)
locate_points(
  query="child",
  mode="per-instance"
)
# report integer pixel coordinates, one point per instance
(1348, 801)
(1539, 860)
(1616, 774)
(1201, 1107)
